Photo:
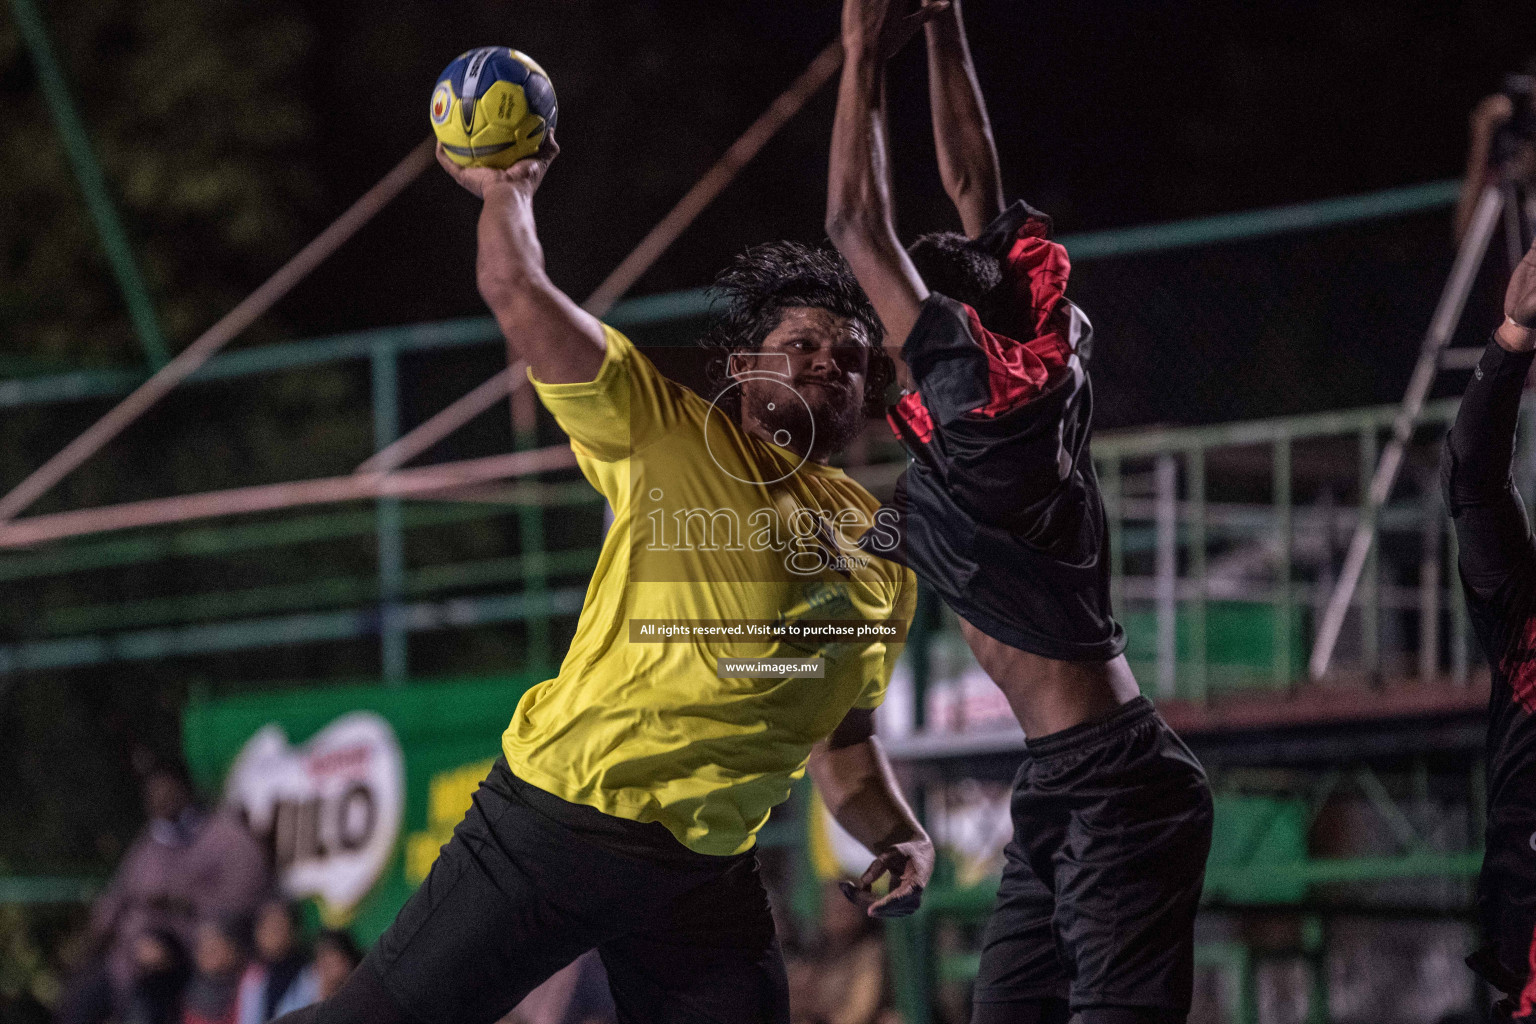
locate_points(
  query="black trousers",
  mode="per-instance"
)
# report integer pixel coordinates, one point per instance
(1112, 826)
(530, 882)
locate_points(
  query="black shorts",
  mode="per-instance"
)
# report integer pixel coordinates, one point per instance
(529, 882)
(1112, 825)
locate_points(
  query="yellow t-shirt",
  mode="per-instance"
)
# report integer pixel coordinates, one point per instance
(710, 523)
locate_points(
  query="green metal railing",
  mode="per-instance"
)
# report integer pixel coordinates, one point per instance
(196, 623)
(324, 609)
(1184, 527)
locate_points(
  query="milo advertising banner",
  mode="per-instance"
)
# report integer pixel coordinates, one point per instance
(353, 790)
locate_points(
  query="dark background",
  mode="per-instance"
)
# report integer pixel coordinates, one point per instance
(1106, 114)
(232, 132)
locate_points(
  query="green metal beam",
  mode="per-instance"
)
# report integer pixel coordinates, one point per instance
(1285, 542)
(1348, 869)
(82, 157)
(1144, 442)
(75, 386)
(659, 309)
(976, 901)
(252, 634)
(47, 889)
(293, 355)
(160, 611)
(389, 535)
(288, 597)
(671, 306)
(211, 541)
(1252, 224)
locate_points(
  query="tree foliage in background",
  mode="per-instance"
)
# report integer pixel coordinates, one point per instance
(198, 117)
(198, 113)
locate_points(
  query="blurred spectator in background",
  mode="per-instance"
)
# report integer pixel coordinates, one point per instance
(218, 960)
(188, 864)
(279, 977)
(162, 969)
(1502, 129)
(841, 978)
(336, 956)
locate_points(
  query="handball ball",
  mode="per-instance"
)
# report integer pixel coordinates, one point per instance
(492, 107)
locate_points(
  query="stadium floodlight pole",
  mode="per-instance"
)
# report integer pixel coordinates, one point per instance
(1453, 299)
(422, 481)
(217, 336)
(632, 267)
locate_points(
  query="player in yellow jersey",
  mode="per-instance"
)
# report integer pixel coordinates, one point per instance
(622, 816)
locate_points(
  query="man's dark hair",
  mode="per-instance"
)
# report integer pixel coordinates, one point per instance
(957, 267)
(755, 289)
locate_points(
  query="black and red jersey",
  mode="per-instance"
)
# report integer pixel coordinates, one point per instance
(999, 508)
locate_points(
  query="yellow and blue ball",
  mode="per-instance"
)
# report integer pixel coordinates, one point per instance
(492, 107)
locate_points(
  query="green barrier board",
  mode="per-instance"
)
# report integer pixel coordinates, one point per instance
(352, 789)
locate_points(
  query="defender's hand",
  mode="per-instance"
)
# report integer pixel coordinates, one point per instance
(886, 25)
(910, 866)
(1490, 114)
(1518, 332)
(523, 176)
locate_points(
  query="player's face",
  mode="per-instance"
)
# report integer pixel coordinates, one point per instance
(827, 358)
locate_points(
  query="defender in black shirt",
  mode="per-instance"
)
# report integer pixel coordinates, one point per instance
(999, 512)
(1498, 573)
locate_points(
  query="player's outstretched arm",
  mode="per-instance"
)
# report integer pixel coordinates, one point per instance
(562, 343)
(860, 221)
(1493, 536)
(962, 135)
(859, 788)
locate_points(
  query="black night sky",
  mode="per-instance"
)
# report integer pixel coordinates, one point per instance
(1107, 114)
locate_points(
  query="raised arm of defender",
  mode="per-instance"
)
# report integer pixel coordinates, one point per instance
(859, 213)
(562, 343)
(961, 132)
